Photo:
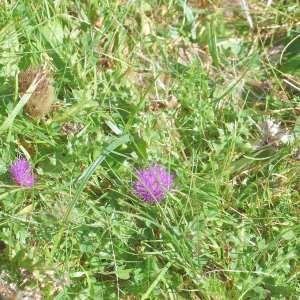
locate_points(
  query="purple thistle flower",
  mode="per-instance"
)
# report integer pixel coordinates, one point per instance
(153, 183)
(21, 172)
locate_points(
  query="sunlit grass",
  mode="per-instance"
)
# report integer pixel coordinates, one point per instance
(185, 84)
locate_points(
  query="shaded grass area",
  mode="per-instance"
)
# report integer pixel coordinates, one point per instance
(186, 84)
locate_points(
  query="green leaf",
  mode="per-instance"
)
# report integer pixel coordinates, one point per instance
(9, 48)
(53, 32)
(212, 44)
(26, 210)
(114, 128)
(124, 273)
(3, 168)
(289, 235)
(187, 11)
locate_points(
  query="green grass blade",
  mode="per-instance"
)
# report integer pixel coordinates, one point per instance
(24, 99)
(157, 280)
(82, 181)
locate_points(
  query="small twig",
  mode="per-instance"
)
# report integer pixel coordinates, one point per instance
(292, 85)
(291, 81)
(239, 271)
(275, 111)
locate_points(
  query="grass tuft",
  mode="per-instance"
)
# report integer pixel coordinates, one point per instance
(207, 89)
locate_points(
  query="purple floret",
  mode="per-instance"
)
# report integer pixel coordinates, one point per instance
(21, 173)
(153, 183)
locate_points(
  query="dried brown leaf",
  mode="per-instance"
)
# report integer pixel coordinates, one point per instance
(71, 128)
(30, 294)
(99, 23)
(28, 145)
(188, 51)
(199, 3)
(42, 98)
(147, 26)
(106, 63)
(7, 292)
(260, 86)
(160, 105)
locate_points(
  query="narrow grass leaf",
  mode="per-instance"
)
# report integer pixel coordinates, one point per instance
(24, 99)
(157, 280)
(82, 181)
(212, 44)
(232, 85)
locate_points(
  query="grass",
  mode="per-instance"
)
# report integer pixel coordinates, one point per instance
(186, 84)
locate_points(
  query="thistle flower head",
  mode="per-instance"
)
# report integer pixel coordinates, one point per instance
(21, 172)
(153, 183)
